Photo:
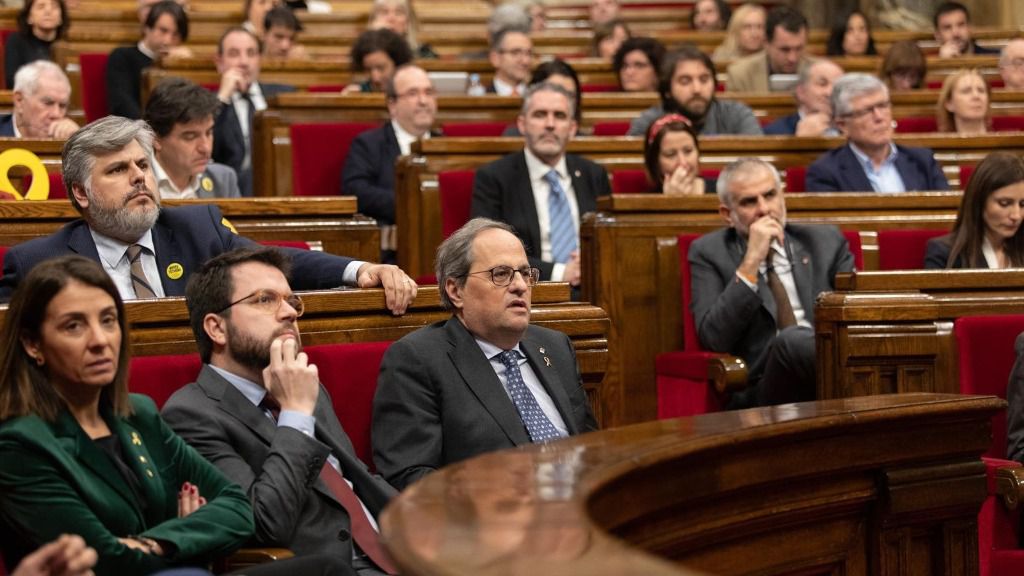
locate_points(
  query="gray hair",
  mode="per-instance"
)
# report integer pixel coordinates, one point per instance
(1004, 58)
(739, 169)
(547, 87)
(26, 79)
(104, 136)
(508, 17)
(851, 86)
(804, 75)
(455, 255)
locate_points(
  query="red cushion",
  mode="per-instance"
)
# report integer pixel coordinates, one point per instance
(853, 239)
(455, 189)
(1008, 123)
(57, 189)
(482, 129)
(3, 251)
(326, 88)
(94, 85)
(966, 171)
(916, 125)
(318, 156)
(796, 177)
(349, 372)
(599, 88)
(630, 182)
(160, 376)
(611, 128)
(904, 249)
(999, 552)
(682, 384)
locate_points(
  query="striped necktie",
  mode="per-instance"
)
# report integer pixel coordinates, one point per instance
(140, 283)
(563, 230)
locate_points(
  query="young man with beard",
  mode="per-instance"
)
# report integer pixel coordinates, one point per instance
(150, 252)
(259, 413)
(687, 86)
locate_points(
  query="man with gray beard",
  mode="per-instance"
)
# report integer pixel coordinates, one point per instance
(149, 252)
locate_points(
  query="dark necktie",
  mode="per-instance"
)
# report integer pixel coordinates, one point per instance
(784, 316)
(538, 426)
(139, 281)
(251, 118)
(563, 231)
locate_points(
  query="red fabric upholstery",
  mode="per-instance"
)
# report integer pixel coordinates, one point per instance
(611, 128)
(160, 376)
(318, 155)
(455, 188)
(57, 190)
(903, 249)
(1008, 123)
(599, 88)
(488, 129)
(916, 124)
(3, 251)
(796, 177)
(326, 88)
(94, 85)
(630, 182)
(349, 372)
(966, 171)
(998, 530)
(3, 84)
(853, 239)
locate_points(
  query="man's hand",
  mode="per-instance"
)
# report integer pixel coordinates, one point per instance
(179, 51)
(759, 241)
(189, 499)
(65, 556)
(290, 378)
(573, 272)
(62, 129)
(144, 545)
(233, 80)
(813, 124)
(399, 289)
(950, 49)
(683, 182)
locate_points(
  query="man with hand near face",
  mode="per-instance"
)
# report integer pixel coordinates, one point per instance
(953, 32)
(41, 95)
(786, 35)
(241, 95)
(542, 191)
(754, 285)
(813, 94)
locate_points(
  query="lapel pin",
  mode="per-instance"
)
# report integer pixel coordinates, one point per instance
(135, 439)
(577, 174)
(175, 270)
(547, 361)
(207, 183)
(541, 350)
(806, 260)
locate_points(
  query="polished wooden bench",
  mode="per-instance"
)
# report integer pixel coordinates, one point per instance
(877, 485)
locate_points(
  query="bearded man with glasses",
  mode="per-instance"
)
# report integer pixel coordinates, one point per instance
(484, 379)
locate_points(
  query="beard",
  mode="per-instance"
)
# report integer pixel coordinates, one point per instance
(696, 109)
(253, 352)
(120, 222)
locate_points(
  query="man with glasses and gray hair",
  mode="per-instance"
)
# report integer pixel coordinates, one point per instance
(1011, 64)
(483, 380)
(150, 252)
(512, 57)
(870, 161)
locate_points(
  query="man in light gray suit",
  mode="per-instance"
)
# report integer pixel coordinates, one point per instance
(260, 414)
(754, 285)
(181, 112)
(484, 379)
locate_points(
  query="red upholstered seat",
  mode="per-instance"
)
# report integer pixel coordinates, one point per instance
(916, 125)
(796, 177)
(966, 171)
(57, 189)
(349, 372)
(630, 182)
(853, 239)
(455, 189)
(3, 251)
(611, 128)
(160, 376)
(326, 88)
(904, 249)
(318, 156)
(1008, 123)
(599, 88)
(999, 553)
(94, 85)
(488, 129)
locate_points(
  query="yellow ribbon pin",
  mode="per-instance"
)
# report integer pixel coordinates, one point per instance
(136, 440)
(206, 183)
(40, 188)
(175, 270)
(227, 224)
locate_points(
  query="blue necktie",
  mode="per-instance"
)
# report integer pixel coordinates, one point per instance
(563, 231)
(538, 426)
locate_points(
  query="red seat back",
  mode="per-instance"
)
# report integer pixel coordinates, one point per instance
(455, 189)
(94, 85)
(594, 88)
(318, 156)
(690, 341)
(796, 177)
(57, 189)
(966, 171)
(3, 251)
(853, 239)
(630, 182)
(349, 372)
(916, 125)
(483, 129)
(611, 128)
(1008, 123)
(904, 249)
(160, 376)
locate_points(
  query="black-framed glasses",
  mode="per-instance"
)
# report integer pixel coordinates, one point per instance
(502, 275)
(269, 301)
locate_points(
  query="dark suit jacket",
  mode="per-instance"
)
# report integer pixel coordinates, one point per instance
(186, 235)
(278, 467)
(732, 318)
(839, 171)
(502, 191)
(439, 401)
(56, 480)
(936, 253)
(783, 126)
(7, 126)
(228, 142)
(124, 81)
(369, 173)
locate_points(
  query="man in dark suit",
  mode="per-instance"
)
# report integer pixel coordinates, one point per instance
(813, 94)
(259, 413)
(512, 57)
(754, 285)
(483, 380)
(150, 252)
(241, 95)
(953, 32)
(41, 95)
(369, 172)
(870, 160)
(542, 191)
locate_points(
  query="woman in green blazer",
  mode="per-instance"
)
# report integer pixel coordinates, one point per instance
(80, 455)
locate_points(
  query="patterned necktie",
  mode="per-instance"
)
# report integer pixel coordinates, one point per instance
(250, 118)
(563, 231)
(784, 316)
(538, 426)
(139, 281)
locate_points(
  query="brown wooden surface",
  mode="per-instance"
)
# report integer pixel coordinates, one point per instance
(877, 485)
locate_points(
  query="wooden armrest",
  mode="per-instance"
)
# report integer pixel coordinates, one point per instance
(1010, 485)
(727, 373)
(247, 557)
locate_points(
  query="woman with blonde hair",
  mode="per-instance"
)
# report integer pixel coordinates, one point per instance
(963, 105)
(745, 34)
(400, 17)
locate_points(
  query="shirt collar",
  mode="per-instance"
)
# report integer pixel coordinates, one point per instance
(111, 250)
(405, 139)
(538, 169)
(252, 391)
(145, 50)
(490, 350)
(164, 180)
(866, 162)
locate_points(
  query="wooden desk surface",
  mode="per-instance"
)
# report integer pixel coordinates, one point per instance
(883, 484)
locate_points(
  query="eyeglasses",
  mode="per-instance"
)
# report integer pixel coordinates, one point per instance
(502, 275)
(880, 107)
(517, 53)
(417, 93)
(269, 301)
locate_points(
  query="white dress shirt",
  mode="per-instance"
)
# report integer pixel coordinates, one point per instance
(241, 107)
(502, 88)
(784, 269)
(166, 187)
(114, 258)
(541, 191)
(885, 179)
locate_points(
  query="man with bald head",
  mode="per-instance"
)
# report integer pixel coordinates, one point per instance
(369, 172)
(813, 94)
(41, 95)
(1011, 64)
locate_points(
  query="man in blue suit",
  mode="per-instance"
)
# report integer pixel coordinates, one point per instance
(813, 94)
(41, 95)
(870, 160)
(148, 251)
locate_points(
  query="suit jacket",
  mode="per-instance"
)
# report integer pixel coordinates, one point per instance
(223, 182)
(124, 81)
(278, 467)
(732, 318)
(502, 191)
(1015, 411)
(439, 400)
(750, 74)
(56, 480)
(7, 126)
(186, 235)
(228, 142)
(783, 126)
(838, 170)
(369, 173)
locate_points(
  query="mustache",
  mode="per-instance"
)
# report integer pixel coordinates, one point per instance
(139, 190)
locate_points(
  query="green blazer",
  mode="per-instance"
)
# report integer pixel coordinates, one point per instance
(55, 479)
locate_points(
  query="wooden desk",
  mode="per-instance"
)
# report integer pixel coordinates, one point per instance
(880, 485)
